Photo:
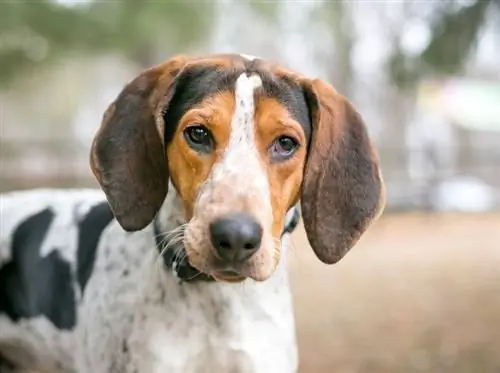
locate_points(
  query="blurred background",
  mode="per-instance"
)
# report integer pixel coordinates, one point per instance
(421, 290)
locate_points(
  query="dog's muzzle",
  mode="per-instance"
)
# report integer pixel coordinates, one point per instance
(235, 237)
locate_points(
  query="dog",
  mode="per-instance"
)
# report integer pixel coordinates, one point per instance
(178, 262)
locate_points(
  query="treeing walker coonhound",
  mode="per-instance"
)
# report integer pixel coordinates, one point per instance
(177, 265)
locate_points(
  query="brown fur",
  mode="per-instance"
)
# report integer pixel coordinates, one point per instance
(127, 155)
(271, 120)
(338, 181)
(284, 178)
(343, 190)
(137, 188)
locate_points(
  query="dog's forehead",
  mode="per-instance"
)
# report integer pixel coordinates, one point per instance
(223, 73)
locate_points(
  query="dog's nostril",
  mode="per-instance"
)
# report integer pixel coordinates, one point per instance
(225, 245)
(249, 246)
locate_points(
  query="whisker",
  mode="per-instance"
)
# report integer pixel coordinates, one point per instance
(167, 235)
(179, 254)
(171, 238)
(174, 241)
(194, 276)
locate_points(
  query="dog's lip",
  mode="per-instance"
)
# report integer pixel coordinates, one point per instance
(227, 276)
(232, 279)
(228, 273)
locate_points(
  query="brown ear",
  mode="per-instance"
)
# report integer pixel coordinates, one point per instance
(342, 188)
(127, 155)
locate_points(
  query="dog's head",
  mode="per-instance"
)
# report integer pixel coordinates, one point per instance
(242, 141)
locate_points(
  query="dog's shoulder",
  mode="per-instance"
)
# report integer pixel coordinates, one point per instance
(48, 242)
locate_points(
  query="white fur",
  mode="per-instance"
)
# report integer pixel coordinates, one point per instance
(238, 183)
(136, 318)
(240, 166)
(248, 57)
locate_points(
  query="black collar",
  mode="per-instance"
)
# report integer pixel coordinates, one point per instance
(175, 259)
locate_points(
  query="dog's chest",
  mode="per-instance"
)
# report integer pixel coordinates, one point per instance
(216, 328)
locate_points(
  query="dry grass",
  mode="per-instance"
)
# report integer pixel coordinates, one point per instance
(419, 293)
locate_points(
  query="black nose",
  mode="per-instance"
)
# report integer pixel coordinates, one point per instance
(236, 237)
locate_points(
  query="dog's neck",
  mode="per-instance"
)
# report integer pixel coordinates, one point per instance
(170, 218)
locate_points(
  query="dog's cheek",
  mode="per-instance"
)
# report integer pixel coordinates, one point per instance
(194, 242)
(264, 262)
(285, 192)
(188, 171)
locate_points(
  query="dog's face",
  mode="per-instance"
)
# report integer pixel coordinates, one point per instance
(242, 141)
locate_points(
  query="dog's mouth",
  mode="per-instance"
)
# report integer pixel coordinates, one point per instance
(228, 276)
(176, 259)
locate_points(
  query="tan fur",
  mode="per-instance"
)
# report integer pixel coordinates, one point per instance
(339, 181)
(189, 169)
(271, 120)
(285, 178)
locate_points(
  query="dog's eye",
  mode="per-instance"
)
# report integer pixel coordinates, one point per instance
(199, 138)
(283, 147)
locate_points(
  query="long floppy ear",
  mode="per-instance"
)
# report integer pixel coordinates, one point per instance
(342, 190)
(127, 155)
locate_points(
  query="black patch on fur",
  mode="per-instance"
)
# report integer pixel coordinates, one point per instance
(290, 95)
(191, 87)
(199, 82)
(287, 92)
(292, 224)
(90, 229)
(31, 285)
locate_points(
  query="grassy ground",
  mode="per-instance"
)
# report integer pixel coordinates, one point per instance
(419, 293)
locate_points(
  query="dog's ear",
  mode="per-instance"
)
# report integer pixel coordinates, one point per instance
(342, 190)
(127, 155)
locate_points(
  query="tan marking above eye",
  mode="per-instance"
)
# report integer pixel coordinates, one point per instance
(188, 168)
(274, 120)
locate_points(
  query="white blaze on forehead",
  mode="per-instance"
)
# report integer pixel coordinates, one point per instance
(240, 172)
(241, 150)
(243, 117)
(248, 57)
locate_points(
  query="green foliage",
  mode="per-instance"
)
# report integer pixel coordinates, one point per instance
(454, 35)
(265, 8)
(33, 33)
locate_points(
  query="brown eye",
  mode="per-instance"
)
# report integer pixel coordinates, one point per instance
(283, 148)
(199, 138)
